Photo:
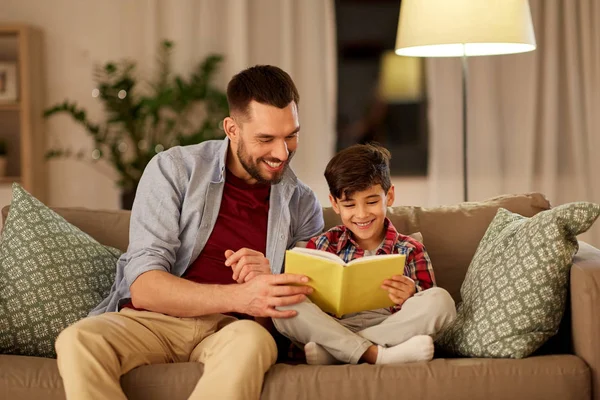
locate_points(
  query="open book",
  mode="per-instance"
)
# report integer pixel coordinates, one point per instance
(343, 288)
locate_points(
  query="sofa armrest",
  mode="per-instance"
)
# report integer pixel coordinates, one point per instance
(585, 310)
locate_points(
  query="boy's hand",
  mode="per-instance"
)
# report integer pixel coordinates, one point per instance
(400, 288)
(247, 264)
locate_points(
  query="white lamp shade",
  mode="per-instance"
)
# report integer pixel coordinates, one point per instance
(453, 28)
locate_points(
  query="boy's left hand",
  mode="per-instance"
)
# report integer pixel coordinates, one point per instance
(400, 288)
(247, 264)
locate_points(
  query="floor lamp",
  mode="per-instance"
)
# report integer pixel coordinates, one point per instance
(464, 28)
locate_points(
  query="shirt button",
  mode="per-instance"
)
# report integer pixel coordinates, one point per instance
(281, 237)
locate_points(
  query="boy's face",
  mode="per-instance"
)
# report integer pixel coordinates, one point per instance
(364, 214)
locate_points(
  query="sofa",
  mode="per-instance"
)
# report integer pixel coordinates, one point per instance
(566, 367)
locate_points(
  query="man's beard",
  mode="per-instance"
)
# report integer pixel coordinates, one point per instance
(252, 168)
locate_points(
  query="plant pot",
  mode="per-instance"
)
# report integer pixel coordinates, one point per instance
(2, 165)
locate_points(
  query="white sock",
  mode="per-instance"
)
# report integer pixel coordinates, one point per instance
(317, 355)
(417, 348)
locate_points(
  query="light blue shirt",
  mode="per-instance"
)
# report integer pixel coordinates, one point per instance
(176, 206)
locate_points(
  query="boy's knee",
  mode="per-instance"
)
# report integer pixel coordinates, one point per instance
(302, 308)
(441, 304)
(296, 307)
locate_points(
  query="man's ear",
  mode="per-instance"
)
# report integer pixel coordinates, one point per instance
(231, 128)
(391, 196)
(334, 204)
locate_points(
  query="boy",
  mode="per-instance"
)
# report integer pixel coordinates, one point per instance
(360, 192)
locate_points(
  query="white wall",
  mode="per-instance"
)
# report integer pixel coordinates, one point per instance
(411, 191)
(77, 35)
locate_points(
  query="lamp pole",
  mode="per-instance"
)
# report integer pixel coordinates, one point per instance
(464, 124)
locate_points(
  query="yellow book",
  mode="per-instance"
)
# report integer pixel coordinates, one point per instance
(343, 288)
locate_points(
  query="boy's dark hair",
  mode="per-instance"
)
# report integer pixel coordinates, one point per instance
(265, 84)
(357, 168)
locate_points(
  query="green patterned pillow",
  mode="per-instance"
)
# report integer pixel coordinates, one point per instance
(51, 275)
(515, 290)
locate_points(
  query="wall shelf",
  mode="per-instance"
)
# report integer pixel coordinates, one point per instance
(10, 106)
(21, 120)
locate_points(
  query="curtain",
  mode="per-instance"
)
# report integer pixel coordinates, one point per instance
(533, 122)
(296, 35)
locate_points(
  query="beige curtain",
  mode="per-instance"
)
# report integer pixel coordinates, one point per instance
(297, 35)
(534, 118)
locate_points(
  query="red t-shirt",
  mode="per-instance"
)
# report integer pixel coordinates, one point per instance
(242, 222)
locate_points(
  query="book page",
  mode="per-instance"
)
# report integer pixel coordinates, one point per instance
(377, 257)
(361, 287)
(325, 278)
(319, 253)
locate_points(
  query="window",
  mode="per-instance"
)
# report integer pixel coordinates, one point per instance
(381, 96)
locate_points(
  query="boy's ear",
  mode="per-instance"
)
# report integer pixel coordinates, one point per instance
(334, 204)
(391, 196)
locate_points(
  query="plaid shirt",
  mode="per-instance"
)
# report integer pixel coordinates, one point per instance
(338, 240)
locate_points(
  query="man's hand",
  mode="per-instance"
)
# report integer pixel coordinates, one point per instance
(400, 288)
(247, 264)
(261, 295)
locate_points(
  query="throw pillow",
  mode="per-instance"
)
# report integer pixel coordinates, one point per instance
(51, 275)
(515, 289)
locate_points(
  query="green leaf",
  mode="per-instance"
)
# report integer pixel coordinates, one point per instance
(110, 68)
(159, 111)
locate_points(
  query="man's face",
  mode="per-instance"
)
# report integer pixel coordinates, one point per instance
(266, 141)
(364, 214)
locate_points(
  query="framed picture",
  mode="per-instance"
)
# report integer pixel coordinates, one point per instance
(8, 82)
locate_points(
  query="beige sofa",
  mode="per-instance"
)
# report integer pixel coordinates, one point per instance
(568, 367)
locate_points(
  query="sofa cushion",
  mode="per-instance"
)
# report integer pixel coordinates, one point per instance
(51, 275)
(515, 290)
(563, 377)
(109, 227)
(451, 233)
(543, 378)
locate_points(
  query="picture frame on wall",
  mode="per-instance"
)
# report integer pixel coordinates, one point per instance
(8, 82)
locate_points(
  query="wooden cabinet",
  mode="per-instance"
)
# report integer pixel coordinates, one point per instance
(21, 121)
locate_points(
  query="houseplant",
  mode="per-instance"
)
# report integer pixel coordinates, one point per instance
(145, 118)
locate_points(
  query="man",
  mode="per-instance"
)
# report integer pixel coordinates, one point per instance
(203, 220)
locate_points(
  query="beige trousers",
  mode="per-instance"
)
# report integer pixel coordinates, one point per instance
(94, 352)
(426, 313)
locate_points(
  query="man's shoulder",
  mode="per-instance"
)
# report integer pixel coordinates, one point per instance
(205, 156)
(302, 188)
(208, 150)
(303, 198)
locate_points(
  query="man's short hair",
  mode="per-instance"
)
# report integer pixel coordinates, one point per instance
(357, 168)
(265, 84)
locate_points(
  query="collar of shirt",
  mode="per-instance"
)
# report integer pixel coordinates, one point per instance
(387, 247)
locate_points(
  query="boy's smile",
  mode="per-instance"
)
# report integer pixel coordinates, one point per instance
(364, 214)
(364, 225)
